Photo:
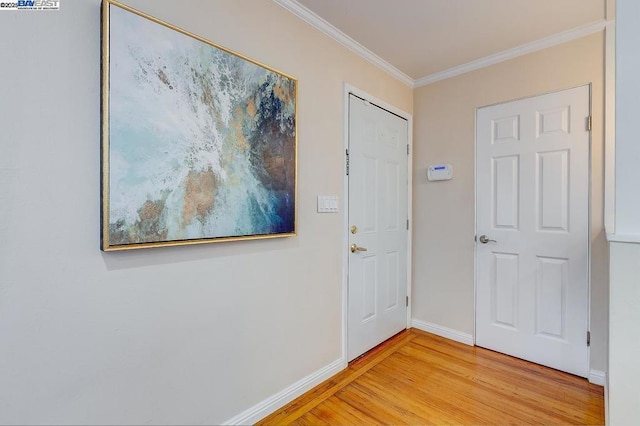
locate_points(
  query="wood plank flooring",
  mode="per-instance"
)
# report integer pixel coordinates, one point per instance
(419, 378)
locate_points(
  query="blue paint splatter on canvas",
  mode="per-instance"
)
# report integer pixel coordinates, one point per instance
(202, 142)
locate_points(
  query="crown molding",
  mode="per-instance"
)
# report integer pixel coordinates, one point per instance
(554, 40)
(325, 27)
(317, 22)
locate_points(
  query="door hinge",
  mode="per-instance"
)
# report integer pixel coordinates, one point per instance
(347, 154)
(588, 338)
(407, 149)
(407, 301)
(589, 123)
(407, 224)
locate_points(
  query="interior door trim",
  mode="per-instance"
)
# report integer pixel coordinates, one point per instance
(349, 89)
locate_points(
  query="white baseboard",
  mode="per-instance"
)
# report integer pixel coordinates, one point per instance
(606, 399)
(441, 331)
(269, 405)
(598, 377)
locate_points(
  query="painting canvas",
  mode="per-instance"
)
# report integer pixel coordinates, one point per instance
(198, 142)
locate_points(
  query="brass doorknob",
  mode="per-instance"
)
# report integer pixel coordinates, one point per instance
(355, 248)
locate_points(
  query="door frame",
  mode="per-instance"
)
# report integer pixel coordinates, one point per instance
(347, 90)
(589, 215)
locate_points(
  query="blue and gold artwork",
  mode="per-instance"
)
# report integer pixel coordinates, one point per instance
(199, 143)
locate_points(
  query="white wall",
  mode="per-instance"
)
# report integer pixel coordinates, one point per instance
(443, 233)
(627, 144)
(624, 344)
(624, 368)
(183, 335)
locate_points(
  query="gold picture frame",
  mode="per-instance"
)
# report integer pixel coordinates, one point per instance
(199, 143)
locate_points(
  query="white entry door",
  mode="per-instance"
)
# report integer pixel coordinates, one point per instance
(532, 229)
(378, 226)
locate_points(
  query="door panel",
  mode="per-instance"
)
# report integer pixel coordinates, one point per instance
(553, 186)
(506, 183)
(393, 278)
(504, 289)
(533, 204)
(369, 287)
(551, 297)
(378, 209)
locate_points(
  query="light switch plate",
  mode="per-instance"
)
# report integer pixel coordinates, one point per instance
(327, 204)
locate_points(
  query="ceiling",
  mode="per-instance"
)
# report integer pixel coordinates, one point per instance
(422, 38)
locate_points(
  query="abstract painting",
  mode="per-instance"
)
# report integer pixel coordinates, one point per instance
(198, 142)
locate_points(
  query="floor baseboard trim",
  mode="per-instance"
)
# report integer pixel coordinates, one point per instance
(441, 331)
(269, 405)
(597, 377)
(606, 399)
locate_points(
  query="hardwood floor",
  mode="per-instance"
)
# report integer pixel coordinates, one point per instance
(419, 378)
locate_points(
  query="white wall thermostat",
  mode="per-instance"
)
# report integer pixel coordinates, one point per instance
(440, 172)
